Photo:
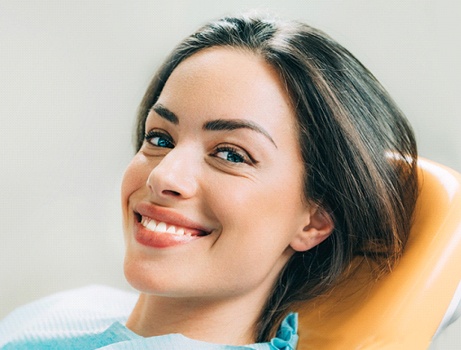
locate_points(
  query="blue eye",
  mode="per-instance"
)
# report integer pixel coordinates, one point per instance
(159, 139)
(230, 154)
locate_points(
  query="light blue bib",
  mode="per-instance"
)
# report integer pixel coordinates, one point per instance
(94, 317)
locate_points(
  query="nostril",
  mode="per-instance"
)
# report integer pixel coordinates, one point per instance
(170, 192)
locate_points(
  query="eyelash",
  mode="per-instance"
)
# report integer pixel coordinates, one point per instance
(153, 134)
(242, 156)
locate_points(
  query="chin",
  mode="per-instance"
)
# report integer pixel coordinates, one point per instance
(145, 278)
(138, 274)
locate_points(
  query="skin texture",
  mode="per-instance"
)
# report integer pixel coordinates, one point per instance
(242, 186)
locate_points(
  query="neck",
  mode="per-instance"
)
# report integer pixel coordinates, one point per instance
(222, 322)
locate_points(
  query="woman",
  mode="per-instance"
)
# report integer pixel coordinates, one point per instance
(267, 159)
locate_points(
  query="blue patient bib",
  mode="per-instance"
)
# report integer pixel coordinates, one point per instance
(94, 317)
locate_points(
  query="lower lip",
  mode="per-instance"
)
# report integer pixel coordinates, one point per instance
(160, 240)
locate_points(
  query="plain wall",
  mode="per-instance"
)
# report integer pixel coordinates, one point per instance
(73, 72)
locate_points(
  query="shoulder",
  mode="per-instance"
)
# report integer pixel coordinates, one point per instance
(73, 312)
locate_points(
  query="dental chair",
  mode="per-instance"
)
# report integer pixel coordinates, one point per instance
(408, 307)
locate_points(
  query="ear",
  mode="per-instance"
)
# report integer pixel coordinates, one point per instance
(318, 225)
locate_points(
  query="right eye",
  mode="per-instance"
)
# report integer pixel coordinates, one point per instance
(159, 139)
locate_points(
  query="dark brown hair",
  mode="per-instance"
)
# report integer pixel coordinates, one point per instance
(358, 149)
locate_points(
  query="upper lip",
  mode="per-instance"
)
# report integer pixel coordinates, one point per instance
(168, 216)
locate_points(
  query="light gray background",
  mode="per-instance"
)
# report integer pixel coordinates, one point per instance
(73, 72)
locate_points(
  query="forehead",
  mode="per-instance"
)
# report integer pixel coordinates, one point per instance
(224, 82)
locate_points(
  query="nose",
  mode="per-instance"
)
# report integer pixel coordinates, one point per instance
(175, 176)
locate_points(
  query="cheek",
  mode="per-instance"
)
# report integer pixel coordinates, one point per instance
(264, 215)
(262, 227)
(134, 178)
(275, 196)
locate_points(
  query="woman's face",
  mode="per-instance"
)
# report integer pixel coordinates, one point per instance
(220, 171)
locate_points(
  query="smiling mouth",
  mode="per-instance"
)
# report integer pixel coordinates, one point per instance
(165, 228)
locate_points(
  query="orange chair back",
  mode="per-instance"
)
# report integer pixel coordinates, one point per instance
(403, 309)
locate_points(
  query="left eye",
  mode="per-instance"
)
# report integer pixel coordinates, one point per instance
(231, 155)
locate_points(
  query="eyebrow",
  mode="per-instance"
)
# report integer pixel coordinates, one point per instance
(165, 113)
(234, 124)
(216, 125)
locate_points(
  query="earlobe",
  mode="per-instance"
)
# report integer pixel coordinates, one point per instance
(318, 227)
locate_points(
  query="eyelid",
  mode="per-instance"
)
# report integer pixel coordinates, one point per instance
(249, 160)
(158, 133)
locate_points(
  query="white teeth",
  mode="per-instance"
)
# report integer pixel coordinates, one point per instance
(151, 225)
(171, 229)
(161, 227)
